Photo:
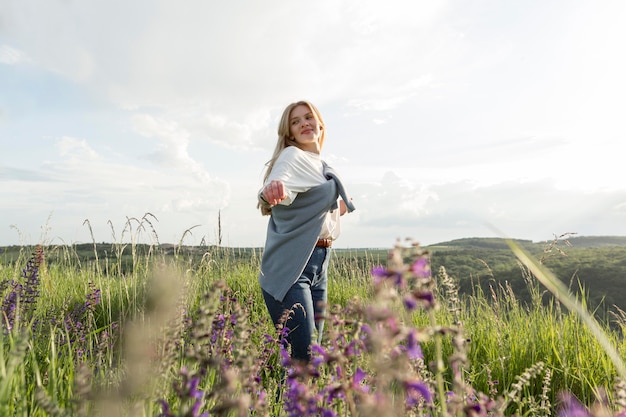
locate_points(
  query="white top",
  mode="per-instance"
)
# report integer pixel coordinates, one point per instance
(300, 171)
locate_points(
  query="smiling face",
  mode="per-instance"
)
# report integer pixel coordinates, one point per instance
(305, 129)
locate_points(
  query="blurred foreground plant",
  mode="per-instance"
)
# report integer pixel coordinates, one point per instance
(404, 352)
(372, 362)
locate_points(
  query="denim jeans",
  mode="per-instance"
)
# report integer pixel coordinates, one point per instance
(306, 298)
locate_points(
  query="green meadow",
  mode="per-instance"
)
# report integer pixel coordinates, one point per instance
(469, 327)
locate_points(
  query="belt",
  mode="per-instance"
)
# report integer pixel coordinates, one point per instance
(324, 243)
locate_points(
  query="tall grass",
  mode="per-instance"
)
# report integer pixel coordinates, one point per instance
(187, 334)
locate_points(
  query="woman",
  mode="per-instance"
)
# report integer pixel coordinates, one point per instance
(301, 194)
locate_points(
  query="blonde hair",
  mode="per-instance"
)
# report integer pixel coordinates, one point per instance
(285, 140)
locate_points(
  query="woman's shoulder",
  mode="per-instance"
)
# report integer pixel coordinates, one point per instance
(295, 152)
(291, 154)
(295, 157)
(291, 151)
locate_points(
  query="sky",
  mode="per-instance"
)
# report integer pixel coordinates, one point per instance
(152, 120)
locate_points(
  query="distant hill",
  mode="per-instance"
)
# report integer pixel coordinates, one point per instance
(478, 243)
(595, 263)
(499, 243)
(597, 241)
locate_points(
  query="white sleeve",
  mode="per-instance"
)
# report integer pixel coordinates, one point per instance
(297, 173)
(281, 171)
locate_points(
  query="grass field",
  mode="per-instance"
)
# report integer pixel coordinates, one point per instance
(184, 332)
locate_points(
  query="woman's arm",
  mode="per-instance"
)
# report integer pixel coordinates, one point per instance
(273, 193)
(342, 207)
(291, 174)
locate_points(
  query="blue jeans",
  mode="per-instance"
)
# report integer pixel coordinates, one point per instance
(306, 298)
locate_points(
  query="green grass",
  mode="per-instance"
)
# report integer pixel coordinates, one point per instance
(137, 338)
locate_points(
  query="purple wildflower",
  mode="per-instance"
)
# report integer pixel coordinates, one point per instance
(300, 400)
(416, 297)
(196, 394)
(24, 293)
(9, 306)
(166, 409)
(284, 355)
(93, 298)
(319, 356)
(481, 406)
(189, 395)
(421, 267)
(416, 390)
(353, 348)
(78, 321)
(359, 376)
(413, 348)
(31, 279)
(410, 303)
(335, 392)
(381, 274)
(426, 298)
(571, 407)
(358, 381)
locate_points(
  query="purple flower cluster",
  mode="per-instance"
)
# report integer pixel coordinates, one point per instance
(415, 279)
(371, 362)
(10, 304)
(189, 396)
(217, 349)
(571, 407)
(340, 376)
(79, 322)
(20, 302)
(333, 379)
(223, 330)
(30, 275)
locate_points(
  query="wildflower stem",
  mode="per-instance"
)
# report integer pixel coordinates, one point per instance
(351, 403)
(439, 365)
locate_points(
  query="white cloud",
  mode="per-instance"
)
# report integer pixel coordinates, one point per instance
(172, 150)
(78, 148)
(11, 56)
(394, 201)
(398, 207)
(445, 115)
(211, 66)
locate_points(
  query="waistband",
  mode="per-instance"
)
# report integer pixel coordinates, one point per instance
(324, 243)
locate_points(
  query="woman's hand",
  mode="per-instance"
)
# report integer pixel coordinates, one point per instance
(274, 192)
(342, 207)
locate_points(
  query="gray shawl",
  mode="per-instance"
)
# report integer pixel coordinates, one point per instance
(292, 232)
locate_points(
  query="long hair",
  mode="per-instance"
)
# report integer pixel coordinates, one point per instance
(285, 140)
